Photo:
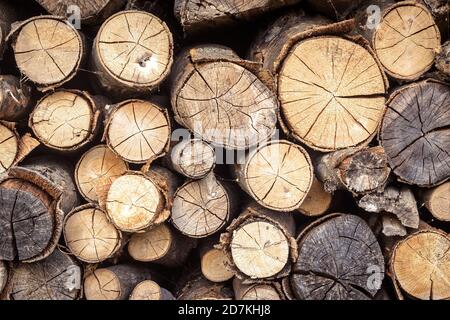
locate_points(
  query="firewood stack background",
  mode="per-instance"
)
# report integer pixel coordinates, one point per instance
(205, 149)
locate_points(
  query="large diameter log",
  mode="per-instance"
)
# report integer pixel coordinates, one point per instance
(65, 120)
(3, 275)
(215, 264)
(15, 98)
(220, 98)
(48, 50)
(96, 170)
(257, 291)
(437, 201)
(150, 290)
(58, 277)
(317, 201)
(195, 15)
(415, 133)
(203, 207)
(92, 11)
(138, 131)
(277, 174)
(8, 15)
(420, 265)
(132, 52)
(89, 235)
(199, 288)
(339, 259)
(115, 282)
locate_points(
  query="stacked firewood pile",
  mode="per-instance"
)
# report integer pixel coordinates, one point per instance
(193, 149)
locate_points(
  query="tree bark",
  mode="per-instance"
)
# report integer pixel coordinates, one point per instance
(150, 290)
(3, 276)
(443, 59)
(332, 247)
(147, 53)
(415, 133)
(257, 291)
(8, 15)
(215, 264)
(277, 174)
(437, 201)
(15, 98)
(222, 98)
(199, 288)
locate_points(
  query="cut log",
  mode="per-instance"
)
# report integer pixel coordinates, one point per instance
(400, 202)
(220, 98)
(260, 243)
(15, 98)
(58, 277)
(115, 282)
(161, 245)
(214, 263)
(391, 226)
(96, 170)
(150, 290)
(415, 133)
(317, 201)
(9, 147)
(420, 263)
(132, 53)
(278, 175)
(65, 120)
(193, 158)
(443, 59)
(138, 131)
(203, 207)
(197, 15)
(47, 43)
(199, 288)
(92, 11)
(437, 201)
(339, 259)
(440, 9)
(8, 14)
(89, 235)
(334, 9)
(256, 291)
(3, 275)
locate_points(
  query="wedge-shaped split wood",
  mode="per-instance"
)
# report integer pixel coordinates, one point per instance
(9, 147)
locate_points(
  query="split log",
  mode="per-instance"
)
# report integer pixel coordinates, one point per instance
(47, 43)
(58, 277)
(8, 15)
(400, 202)
(260, 243)
(15, 98)
(9, 147)
(132, 53)
(115, 282)
(150, 290)
(358, 170)
(443, 59)
(3, 275)
(89, 235)
(199, 288)
(256, 291)
(161, 245)
(339, 259)
(195, 15)
(334, 9)
(222, 98)
(96, 170)
(214, 263)
(419, 266)
(138, 131)
(391, 226)
(92, 11)
(415, 133)
(317, 200)
(65, 120)
(278, 175)
(437, 201)
(203, 207)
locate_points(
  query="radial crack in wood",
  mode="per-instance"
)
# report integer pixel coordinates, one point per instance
(9, 147)
(256, 291)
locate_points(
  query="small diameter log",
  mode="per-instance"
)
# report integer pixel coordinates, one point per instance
(48, 51)
(415, 133)
(442, 62)
(203, 207)
(260, 243)
(89, 235)
(339, 259)
(134, 202)
(161, 245)
(3, 275)
(219, 97)
(257, 291)
(195, 15)
(96, 170)
(437, 201)
(215, 264)
(400, 202)
(65, 120)
(8, 15)
(138, 131)
(150, 290)
(358, 170)
(15, 98)
(193, 158)
(406, 40)
(420, 263)
(317, 201)
(115, 282)
(334, 9)
(391, 226)
(58, 277)
(278, 175)
(132, 52)
(9, 147)
(199, 288)
(92, 11)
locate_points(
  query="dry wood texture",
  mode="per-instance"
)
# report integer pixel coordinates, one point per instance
(437, 201)
(256, 291)
(443, 59)
(150, 290)
(199, 288)
(3, 275)
(9, 147)
(317, 201)
(15, 98)
(215, 264)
